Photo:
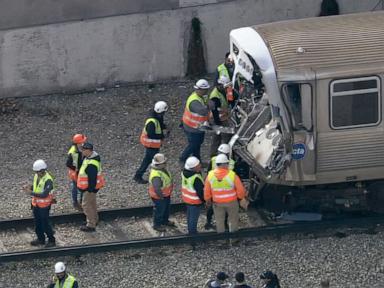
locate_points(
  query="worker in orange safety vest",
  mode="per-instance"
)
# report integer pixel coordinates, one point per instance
(223, 189)
(74, 161)
(192, 191)
(151, 138)
(194, 117)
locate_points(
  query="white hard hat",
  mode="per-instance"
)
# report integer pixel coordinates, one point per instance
(222, 159)
(159, 159)
(59, 267)
(224, 80)
(224, 148)
(202, 84)
(39, 165)
(191, 163)
(160, 107)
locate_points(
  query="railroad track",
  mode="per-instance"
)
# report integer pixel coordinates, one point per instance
(131, 228)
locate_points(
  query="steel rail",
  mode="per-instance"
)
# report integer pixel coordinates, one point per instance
(365, 223)
(106, 214)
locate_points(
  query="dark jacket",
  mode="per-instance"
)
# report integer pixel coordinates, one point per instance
(151, 128)
(198, 185)
(91, 171)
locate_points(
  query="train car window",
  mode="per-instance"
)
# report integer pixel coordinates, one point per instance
(298, 99)
(355, 102)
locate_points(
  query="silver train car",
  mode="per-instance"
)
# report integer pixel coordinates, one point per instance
(308, 119)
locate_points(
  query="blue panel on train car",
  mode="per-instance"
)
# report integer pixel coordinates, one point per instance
(298, 151)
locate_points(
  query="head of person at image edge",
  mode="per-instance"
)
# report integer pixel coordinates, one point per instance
(62, 278)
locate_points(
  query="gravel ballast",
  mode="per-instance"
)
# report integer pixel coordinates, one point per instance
(355, 261)
(42, 127)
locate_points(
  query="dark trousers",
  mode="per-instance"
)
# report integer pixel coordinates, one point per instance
(42, 225)
(161, 211)
(193, 213)
(148, 156)
(194, 143)
(217, 140)
(77, 197)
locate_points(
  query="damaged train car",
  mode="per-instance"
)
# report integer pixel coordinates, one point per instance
(308, 118)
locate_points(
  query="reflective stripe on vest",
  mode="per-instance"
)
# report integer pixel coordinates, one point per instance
(188, 192)
(72, 174)
(223, 191)
(167, 187)
(38, 188)
(223, 109)
(82, 180)
(192, 119)
(222, 70)
(147, 142)
(231, 165)
(68, 283)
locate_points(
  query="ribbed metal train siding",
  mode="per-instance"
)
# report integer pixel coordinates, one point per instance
(350, 151)
(324, 40)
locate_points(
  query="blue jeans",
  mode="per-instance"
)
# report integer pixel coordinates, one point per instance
(194, 143)
(148, 156)
(42, 225)
(161, 211)
(77, 197)
(193, 213)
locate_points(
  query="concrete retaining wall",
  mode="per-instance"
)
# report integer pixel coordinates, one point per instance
(137, 47)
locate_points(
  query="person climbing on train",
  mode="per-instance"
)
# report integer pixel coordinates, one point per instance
(218, 105)
(152, 137)
(42, 199)
(160, 190)
(62, 278)
(192, 191)
(74, 161)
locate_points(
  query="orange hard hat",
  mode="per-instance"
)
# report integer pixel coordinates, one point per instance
(79, 139)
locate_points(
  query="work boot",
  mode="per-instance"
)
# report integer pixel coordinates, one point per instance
(37, 242)
(140, 180)
(78, 207)
(209, 226)
(51, 243)
(87, 229)
(170, 224)
(159, 228)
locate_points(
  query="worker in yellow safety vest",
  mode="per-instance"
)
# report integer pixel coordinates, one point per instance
(223, 189)
(89, 181)
(194, 117)
(151, 138)
(192, 191)
(220, 111)
(62, 279)
(160, 190)
(74, 161)
(226, 69)
(42, 199)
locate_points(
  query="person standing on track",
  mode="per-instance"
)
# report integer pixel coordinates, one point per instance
(192, 191)
(62, 279)
(160, 190)
(42, 199)
(223, 188)
(152, 136)
(74, 161)
(89, 181)
(195, 115)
